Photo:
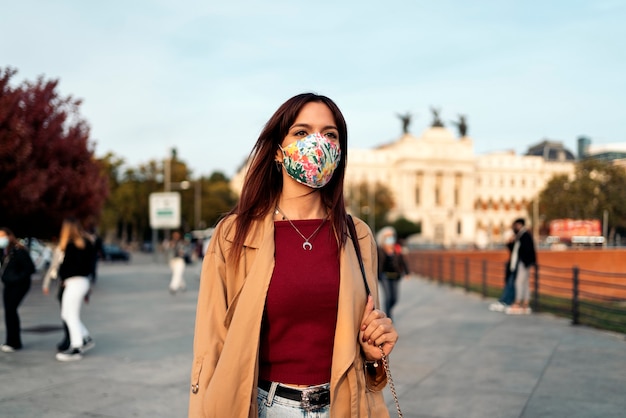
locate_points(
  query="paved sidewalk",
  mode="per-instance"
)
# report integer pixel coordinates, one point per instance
(454, 358)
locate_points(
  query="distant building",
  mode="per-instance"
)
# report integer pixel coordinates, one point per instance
(551, 151)
(459, 198)
(613, 152)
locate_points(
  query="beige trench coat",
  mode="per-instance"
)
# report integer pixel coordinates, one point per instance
(228, 323)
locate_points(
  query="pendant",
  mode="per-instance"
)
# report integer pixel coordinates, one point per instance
(307, 246)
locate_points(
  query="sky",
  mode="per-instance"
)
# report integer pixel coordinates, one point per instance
(204, 77)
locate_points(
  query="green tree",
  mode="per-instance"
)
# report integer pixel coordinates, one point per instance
(370, 204)
(112, 167)
(126, 213)
(595, 187)
(404, 227)
(47, 166)
(218, 198)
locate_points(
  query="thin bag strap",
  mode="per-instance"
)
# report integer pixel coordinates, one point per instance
(3, 264)
(357, 248)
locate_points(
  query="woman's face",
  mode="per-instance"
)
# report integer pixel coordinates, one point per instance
(314, 117)
(389, 239)
(4, 240)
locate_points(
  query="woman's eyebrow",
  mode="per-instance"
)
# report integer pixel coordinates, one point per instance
(307, 126)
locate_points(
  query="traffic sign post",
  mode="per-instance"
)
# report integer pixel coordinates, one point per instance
(165, 210)
(164, 214)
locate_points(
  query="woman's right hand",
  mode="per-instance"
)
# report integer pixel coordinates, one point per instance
(45, 291)
(377, 331)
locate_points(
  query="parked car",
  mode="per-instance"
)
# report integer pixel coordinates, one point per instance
(113, 252)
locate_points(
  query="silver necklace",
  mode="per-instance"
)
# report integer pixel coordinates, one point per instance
(306, 245)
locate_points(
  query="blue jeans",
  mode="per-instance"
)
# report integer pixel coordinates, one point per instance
(390, 290)
(508, 294)
(286, 408)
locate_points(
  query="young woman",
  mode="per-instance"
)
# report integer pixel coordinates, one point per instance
(15, 271)
(284, 326)
(78, 253)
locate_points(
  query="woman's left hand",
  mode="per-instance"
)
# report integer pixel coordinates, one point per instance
(376, 330)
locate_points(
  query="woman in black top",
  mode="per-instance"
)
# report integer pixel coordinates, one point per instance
(78, 252)
(16, 270)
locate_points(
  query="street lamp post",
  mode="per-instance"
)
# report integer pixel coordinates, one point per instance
(197, 198)
(168, 185)
(605, 227)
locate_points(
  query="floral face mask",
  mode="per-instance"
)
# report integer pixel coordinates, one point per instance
(311, 160)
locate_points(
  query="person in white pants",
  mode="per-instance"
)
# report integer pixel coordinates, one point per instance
(75, 263)
(76, 288)
(177, 262)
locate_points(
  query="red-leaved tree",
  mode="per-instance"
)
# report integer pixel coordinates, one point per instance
(47, 166)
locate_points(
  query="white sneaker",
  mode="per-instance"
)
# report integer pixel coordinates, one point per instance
(7, 348)
(497, 307)
(514, 310)
(71, 354)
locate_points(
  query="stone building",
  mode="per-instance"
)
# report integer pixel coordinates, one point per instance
(458, 198)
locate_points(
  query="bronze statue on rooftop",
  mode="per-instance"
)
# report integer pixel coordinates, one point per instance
(406, 121)
(437, 122)
(461, 126)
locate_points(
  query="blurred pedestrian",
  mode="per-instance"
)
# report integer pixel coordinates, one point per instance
(74, 271)
(391, 266)
(92, 233)
(284, 326)
(15, 271)
(53, 274)
(177, 254)
(523, 257)
(508, 291)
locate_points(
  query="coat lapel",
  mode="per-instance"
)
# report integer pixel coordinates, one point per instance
(246, 320)
(352, 299)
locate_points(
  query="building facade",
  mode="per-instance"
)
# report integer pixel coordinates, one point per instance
(614, 153)
(458, 198)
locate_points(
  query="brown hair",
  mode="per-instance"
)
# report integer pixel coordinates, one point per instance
(71, 231)
(263, 183)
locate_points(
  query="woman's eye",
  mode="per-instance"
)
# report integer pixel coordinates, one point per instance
(331, 135)
(300, 133)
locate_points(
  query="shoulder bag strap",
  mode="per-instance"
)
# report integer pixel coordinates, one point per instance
(3, 265)
(357, 248)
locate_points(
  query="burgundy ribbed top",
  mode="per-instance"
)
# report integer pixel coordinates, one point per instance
(300, 315)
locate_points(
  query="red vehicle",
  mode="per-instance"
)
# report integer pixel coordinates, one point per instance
(576, 232)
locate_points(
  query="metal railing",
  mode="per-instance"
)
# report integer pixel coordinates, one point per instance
(587, 297)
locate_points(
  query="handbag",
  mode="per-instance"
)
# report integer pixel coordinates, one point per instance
(385, 361)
